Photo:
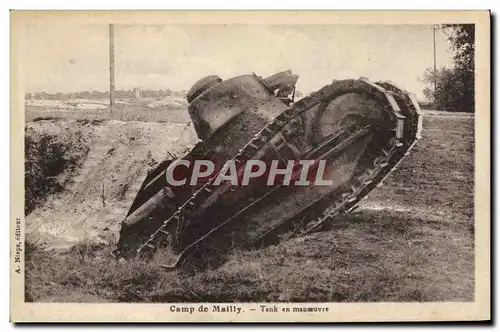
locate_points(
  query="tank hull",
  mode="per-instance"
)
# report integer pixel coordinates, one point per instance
(354, 130)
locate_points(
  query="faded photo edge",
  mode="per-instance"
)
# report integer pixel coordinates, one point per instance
(332, 312)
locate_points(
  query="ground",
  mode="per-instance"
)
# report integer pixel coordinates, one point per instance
(410, 240)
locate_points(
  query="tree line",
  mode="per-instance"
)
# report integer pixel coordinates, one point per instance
(452, 89)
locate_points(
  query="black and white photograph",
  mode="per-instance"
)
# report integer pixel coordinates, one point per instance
(246, 170)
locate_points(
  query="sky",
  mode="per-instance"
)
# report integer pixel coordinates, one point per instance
(75, 58)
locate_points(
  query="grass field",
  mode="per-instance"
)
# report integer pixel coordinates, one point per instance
(411, 240)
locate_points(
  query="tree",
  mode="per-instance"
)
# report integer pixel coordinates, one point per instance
(454, 86)
(462, 41)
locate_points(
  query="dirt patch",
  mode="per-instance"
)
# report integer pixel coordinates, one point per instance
(83, 175)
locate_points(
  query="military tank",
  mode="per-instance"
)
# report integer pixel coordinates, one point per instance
(355, 130)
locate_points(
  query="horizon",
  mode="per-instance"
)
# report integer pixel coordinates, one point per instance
(77, 56)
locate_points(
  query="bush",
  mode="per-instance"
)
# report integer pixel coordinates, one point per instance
(45, 159)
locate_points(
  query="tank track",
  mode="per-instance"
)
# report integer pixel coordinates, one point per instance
(382, 169)
(360, 186)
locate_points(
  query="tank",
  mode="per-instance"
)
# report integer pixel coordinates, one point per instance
(268, 167)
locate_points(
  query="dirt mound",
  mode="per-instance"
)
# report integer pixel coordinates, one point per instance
(83, 175)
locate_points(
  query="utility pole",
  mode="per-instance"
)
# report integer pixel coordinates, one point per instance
(434, 50)
(111, 66)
